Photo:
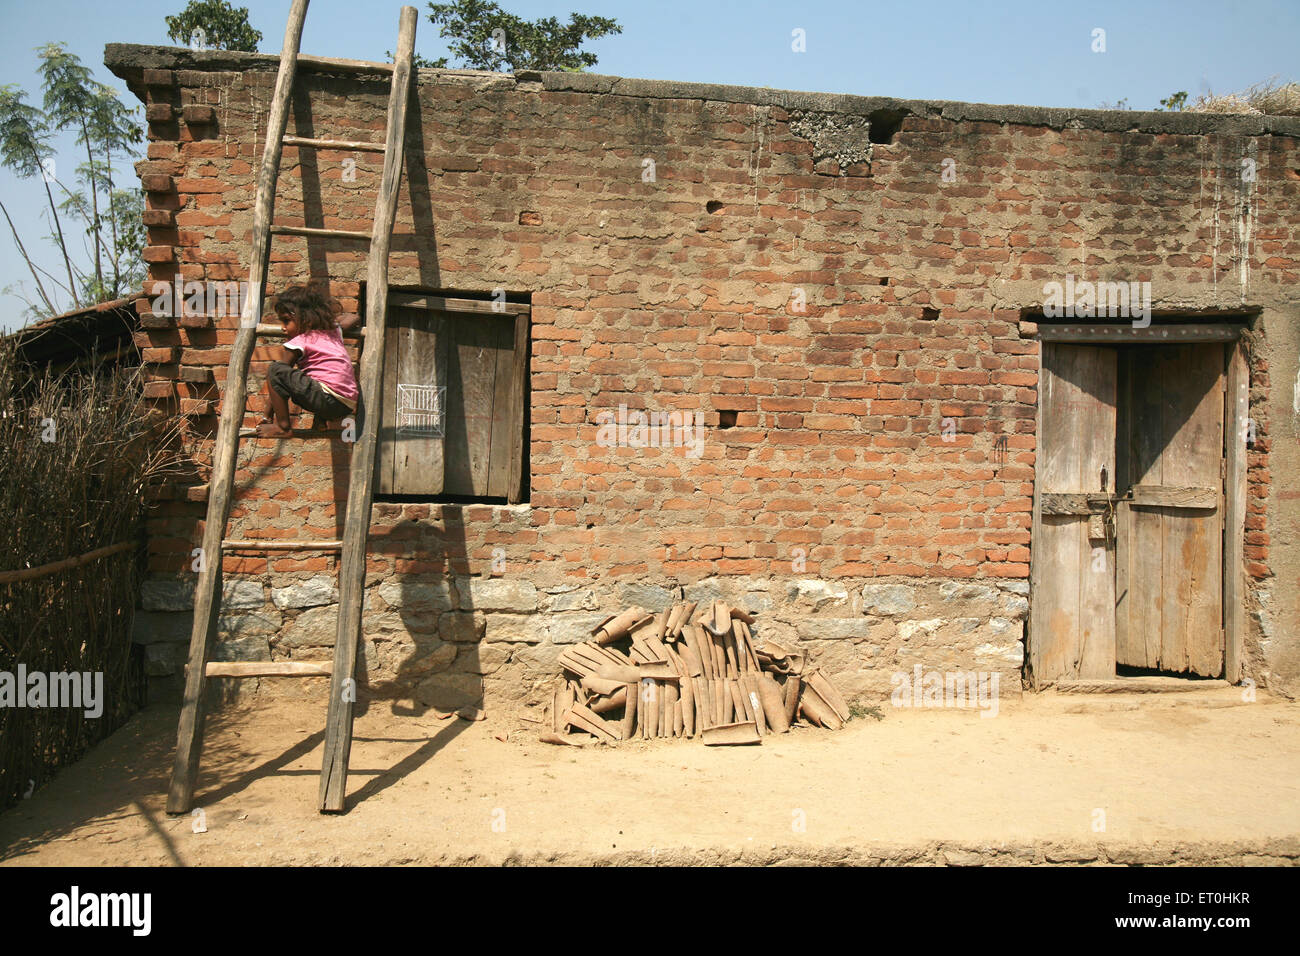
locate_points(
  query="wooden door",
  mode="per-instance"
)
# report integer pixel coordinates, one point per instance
(1072, 605)
(480, 408)
(409, 459)
(1169, 519)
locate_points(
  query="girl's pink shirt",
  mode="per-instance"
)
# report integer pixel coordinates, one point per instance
(325, 359)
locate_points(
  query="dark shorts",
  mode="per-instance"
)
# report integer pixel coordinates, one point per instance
(305, 392)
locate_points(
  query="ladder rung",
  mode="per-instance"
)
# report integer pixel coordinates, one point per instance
(344, 144)
(267, 669)
(329, 64)
(319, 233)
(244, 544)
(263, 329)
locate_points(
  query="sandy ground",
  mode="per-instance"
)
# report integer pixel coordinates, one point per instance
(1193, 777)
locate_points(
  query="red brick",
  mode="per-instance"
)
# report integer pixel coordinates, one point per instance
(198, 115)
(156, 182)
(201, 185)
(158, 253)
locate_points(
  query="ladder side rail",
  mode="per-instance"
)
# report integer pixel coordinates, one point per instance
(356, 525)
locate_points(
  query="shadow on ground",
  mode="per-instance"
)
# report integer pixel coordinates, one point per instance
(126, 775)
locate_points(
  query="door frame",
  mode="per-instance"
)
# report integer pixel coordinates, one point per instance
(1235, 423)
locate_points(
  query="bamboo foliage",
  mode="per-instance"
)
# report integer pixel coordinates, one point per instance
(78, 455)
(95, 225)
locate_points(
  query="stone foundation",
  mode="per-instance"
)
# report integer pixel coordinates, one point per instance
(449, 641)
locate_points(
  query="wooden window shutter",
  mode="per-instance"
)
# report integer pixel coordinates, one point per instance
(455, 387)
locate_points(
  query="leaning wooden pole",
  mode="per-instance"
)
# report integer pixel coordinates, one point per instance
(189, 734)
(44, 570)
(356, 526)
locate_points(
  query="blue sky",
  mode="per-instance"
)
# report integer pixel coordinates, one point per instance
(1037, 52)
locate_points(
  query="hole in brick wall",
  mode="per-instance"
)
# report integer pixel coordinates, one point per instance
(713, 205)
(883, 124)
(726, 418)
(884, 280)
(929, 314)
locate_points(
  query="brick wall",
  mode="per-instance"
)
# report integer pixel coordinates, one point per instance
(842, 297)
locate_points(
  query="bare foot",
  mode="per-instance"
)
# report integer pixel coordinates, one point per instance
(272, 430)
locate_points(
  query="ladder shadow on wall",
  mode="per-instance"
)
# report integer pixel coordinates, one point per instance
(416, 676)
(441, 667)
(417, 246)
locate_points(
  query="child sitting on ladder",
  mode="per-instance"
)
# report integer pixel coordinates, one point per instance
(313, 368)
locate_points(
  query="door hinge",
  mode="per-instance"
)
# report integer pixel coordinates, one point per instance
(1223, 468)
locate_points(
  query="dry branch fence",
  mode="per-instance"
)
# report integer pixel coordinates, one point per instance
(78, 453)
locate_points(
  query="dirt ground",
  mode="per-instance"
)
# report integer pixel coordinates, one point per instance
(1197, 777)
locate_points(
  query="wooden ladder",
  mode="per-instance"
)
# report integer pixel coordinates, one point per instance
(356, 527)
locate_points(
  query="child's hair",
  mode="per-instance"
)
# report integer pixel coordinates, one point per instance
(314, 308)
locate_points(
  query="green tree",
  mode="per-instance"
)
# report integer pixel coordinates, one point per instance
(111, 217)
(214, 24)
(1175, 102)
(485, 37)
(25, 149)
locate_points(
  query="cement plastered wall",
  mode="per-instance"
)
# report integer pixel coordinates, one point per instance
(843, 297)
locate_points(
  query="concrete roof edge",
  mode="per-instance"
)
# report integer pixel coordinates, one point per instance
(1134, 121)
(127, 59)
